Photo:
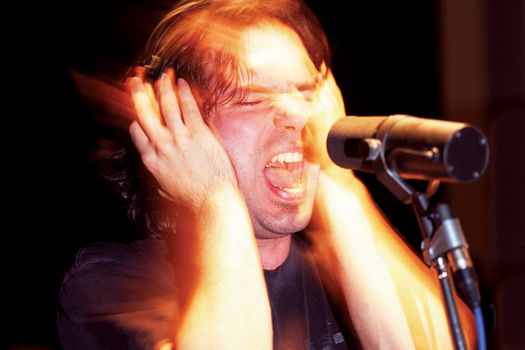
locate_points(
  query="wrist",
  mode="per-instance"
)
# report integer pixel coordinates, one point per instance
(334, 180)
(220, 201)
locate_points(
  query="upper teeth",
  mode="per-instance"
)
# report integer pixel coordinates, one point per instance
(288, 157)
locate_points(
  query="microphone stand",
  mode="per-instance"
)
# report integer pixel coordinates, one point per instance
(439, 239)
(443, 238)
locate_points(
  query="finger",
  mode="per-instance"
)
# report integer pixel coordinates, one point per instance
(188, 105)
(170, 104)
(330, 99)
(323, 69)
(335, 91)
(146, 115)
(146, 149)
(152, 98)
(324, 99)
(139, 138)
(139, 72)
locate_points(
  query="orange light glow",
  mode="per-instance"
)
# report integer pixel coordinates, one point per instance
(109, 103)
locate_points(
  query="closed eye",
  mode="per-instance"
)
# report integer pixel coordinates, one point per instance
(249, 103)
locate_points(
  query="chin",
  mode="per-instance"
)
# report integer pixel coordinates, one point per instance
(284, 225)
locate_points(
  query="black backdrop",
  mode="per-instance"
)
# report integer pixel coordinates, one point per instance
(385, 61)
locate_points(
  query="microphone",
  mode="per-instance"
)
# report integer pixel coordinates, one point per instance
(417, 148)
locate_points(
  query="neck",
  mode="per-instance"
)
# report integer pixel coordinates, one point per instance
(273, 252)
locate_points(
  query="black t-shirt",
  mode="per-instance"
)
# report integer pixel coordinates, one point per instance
(301, 314)
(118, 296)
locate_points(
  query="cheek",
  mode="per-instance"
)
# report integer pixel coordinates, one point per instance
(238, 140)
(244, 135)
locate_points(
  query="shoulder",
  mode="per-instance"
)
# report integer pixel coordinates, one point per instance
(119, 289)
(108, 272)
(142, 253)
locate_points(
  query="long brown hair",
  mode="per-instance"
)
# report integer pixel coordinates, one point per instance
(198, 39)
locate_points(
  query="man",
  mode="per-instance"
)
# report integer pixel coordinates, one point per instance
(232, 110)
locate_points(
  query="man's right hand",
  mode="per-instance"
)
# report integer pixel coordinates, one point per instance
(175, 144)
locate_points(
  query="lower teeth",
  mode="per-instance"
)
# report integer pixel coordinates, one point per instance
(292, 190)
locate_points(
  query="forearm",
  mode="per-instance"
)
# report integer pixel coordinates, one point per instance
(228, 306)
(394, 300)
(221, 289)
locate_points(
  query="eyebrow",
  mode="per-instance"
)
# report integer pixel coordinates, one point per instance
(264, 89)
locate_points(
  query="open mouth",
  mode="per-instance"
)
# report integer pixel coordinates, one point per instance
(284, 173)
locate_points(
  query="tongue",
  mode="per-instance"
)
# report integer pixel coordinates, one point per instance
(283, 178)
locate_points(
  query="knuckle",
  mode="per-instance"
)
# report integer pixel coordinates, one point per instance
(163, 146)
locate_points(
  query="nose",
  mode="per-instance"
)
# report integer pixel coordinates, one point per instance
(292, 112)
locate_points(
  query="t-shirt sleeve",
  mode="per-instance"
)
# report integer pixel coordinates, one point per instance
(118, 296)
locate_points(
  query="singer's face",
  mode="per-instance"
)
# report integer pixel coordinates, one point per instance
(262, 132)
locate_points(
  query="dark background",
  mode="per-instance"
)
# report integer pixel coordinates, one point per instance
(387, 60)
